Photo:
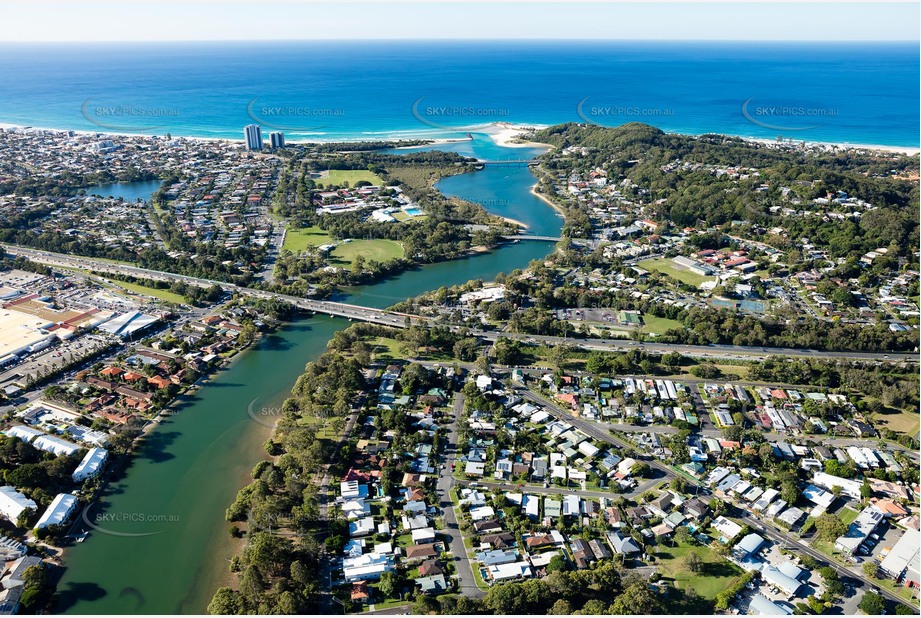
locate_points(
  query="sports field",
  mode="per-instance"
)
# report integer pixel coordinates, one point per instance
(338, 177)
(667, 267)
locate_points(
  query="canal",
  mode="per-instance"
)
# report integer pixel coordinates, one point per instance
(161, 543)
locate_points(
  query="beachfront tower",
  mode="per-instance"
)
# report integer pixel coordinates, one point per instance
(277, 139)
(253, 134)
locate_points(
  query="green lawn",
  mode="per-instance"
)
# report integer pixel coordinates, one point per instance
(301, 238)
(379, 250)
(164, 295)
(903, 422)
(667, 267)
(715, 576)
(653, 324)
(338, 177)
(847, 515)
(385, 348)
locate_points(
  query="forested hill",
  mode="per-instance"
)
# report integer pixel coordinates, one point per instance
(679, 187)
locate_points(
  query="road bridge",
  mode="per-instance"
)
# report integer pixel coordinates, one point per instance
(401, 320)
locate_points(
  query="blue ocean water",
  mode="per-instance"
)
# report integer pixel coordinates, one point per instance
(858, 93)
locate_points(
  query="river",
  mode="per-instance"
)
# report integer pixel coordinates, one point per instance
(190, 467)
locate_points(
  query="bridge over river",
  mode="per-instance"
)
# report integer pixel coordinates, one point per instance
(401, 320)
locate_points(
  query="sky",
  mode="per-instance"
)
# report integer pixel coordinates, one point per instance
(204, 20)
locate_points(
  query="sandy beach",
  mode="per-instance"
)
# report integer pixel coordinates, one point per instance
(503, 134)
(506, 134)
(907, 150)
(547, 200)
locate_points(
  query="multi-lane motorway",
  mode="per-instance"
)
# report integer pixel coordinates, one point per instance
(399, 320)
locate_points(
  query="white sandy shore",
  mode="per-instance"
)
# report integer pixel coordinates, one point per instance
(506, 134)
(502, 133)
(908, 150)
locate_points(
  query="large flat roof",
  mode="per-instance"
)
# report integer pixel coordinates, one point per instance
(19, 331)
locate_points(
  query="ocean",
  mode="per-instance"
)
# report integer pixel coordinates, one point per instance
(860, 93)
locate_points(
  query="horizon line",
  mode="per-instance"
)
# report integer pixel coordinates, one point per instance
(457, 40)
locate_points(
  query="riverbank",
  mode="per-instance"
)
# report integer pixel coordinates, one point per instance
(547, 200)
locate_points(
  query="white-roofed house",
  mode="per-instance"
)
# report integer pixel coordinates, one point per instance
(58, 512)
(14, 504)
(91, 465)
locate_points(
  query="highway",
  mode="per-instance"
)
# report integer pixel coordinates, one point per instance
(399, 320)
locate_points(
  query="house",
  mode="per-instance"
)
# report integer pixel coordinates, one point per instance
(423, 535)
(484, 527)
(366, 567)
(601, 552)
(570, 505)
(91, 464)
(727, 528)
(361, 527)
(58, 512)
(622, 545)
(661, 505)
(433, 584)
(496, 556)
(14, 504)
(360, 592)
(475, 468)
(499, 540)
(430, 567)
(538, 541)
(582, 553)
(13, 583)
(505, 572)
(421, 552)
(696, 509)
(352, 489)
(482, 512)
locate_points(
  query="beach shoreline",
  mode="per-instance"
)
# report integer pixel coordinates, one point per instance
(547, 200)
(502, 133)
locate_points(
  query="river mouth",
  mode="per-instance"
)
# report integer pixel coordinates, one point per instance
(190, 466)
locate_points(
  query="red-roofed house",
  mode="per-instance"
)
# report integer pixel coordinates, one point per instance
(159, 382)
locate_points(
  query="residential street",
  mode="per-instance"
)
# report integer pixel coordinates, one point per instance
(462, 560)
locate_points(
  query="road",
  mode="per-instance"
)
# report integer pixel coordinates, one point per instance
(465, 578)
(556, 491)
(399, 320)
